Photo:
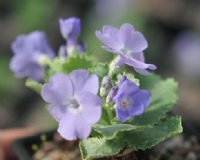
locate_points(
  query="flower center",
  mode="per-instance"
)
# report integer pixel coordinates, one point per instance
(73, 104)
(124, 103)
(126, 51)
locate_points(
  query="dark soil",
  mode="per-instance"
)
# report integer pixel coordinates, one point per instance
(178, 148)
(58, 149)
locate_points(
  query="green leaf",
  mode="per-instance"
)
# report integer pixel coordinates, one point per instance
(150, 136)
(164, 97)
(33, 85)
(55, 66)
(99, 147)
(100, 69)
(132, 78)
(129, 138)
(112, 130)
(77, 62)
(148, 82)
(105, 120)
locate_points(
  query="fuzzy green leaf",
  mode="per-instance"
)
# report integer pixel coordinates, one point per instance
(141, 138)
(101, 70)
(164, 97)
(99, 147)
(55, 66)
(150, 136)
(148, 82)
(112, 130)
(77, 62)
(33, 85)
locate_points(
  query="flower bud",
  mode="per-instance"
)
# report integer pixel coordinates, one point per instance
(111, 94)
(106, 85)
(115, 66)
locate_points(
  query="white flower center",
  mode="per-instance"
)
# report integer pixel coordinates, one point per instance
(126, 51)
(74, 106)
(73, 103)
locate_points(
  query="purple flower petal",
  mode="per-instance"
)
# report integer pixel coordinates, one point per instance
(22, 65)
(91, 107)
(142, 96)
(58, 90)
(27, 49)
(143, 71)
(73, 103)
(126, 42)
(130, 100)
(122, 115)
(133, 62)
(135, 42)
(72, 127)
(33, 42)
(57, 111)
(70, 28)
(83, 81)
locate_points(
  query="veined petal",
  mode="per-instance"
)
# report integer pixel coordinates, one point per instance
(91, 107)
(58, 90)
(137, 64)
(143, 71)
(135, 42)
(82, 81)
(91, 84)
(125, 31)
(70, 28)
(22, 66)
(142, 97)
(78, 78)
(57, 111)
(110, 50)
(72, 127)
(110, 31)
(122, 115)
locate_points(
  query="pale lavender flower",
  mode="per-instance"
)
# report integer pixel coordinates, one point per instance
(130, 100)
(73, 102)
(27, 51)
(70, 28)
(128, 43)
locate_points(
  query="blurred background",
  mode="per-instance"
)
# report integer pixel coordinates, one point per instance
(171, 27)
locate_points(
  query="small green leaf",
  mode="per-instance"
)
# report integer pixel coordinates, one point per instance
(55, 66)
(33, 85)
(99, 147)
(148, 82)
(77, 62)
(100, 69)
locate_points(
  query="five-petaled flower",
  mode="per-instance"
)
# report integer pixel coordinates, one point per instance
(27, 51)
(73, 102)
(128, 43)
(130, 100)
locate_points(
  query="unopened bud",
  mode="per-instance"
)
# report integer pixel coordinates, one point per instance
(115, 66)
(111, 94)
(106, 85)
